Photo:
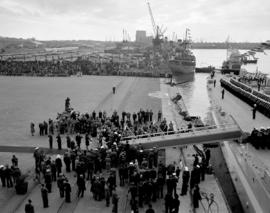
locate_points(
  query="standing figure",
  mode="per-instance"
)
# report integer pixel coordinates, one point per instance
(115, 200)
(29, 208)
(185, 180)
(196, 196)
(254, 110)
(159, 115)
(81, 186)
(14, 161)
(222, 93)
(50, 141)
(32, 128)
(58, 163)
(60, 185)
(59, 142)
(67, 188)
(44, 195)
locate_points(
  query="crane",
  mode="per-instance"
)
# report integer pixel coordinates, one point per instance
(158, 32)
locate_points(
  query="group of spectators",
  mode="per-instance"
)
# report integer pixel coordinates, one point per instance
(260, 138)
(125, 125)
(249, 78)
(55, 67)
(138, 169)
(11, 176)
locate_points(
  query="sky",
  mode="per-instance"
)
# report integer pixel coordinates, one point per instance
(208, 20)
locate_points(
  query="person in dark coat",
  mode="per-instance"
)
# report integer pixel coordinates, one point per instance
(168, 203)
(73, 159)
(87, 141)
(78, 139)
(222, 93)
(60, 185)
(45, 127)
(175, 204)
(59, 142)
(58, 163)
(72, 145)
(14, 161)
(185, 180)
(254, 110)
(196, 196)
(68, 141)
(81, 186)
(160, 186)
(207, 156)
(8, 174)
(53, 170)
(44, 195)
(40, 125)
(67, 188)
(115, 200)
(50, 141)
(48, 180)
(29, 208)
(67, 161)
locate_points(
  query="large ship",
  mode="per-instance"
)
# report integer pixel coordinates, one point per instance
(233, 62)
(182, 60)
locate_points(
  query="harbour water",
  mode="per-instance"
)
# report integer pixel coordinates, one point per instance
(215, 57)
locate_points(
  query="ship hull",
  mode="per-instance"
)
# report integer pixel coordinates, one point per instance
(181, 69)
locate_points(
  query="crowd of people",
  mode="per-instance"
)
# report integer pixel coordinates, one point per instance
(138, 169)
(100, 125)
(11, 176)
(55, 67)
(260, 138)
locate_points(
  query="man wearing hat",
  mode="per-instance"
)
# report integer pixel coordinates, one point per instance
(29, 208)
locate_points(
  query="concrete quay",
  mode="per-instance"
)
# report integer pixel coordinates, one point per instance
(244, 162)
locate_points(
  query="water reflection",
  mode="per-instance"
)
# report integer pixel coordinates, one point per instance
(194, 92)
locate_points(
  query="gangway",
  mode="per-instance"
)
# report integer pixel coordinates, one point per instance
(199, 135)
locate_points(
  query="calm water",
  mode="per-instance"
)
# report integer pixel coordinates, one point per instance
(194, 88)
(216, 57)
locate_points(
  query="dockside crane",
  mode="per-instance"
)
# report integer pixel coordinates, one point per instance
(158, 31)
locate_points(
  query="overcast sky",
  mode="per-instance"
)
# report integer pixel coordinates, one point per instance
(209, 20)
